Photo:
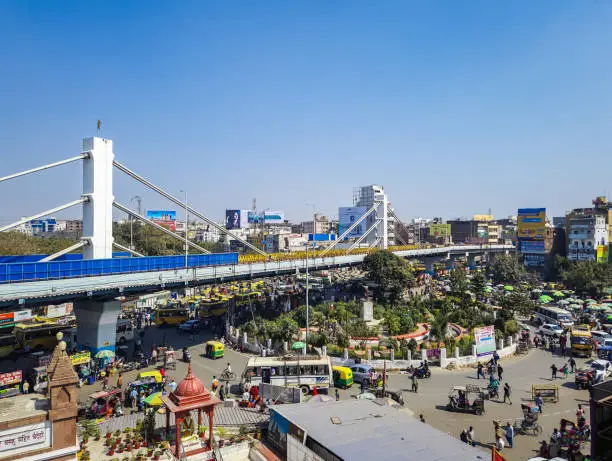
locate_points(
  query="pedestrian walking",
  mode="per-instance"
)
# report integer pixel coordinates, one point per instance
(500, 370)
(415, 383)
(337, 395)
(507, 392)
(26, 386)
(364, 386)
(479, 371)
(572, 364)
(133, 399)
(120, 380)
(154, 356)
(565, 371)
(553, 367)
(579, 413)
(509, 434)
(222, 393)
(539, 401)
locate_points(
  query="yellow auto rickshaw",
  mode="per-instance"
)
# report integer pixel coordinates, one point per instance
(154, 373)
(215, 350)
(343, 377)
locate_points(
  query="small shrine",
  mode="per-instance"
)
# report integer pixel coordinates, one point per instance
(190, 395)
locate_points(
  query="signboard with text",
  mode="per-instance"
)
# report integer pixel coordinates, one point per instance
(166, 218)
(347, 216)
(485, 340)
(25, 438)
(14, 377)
(531, 223)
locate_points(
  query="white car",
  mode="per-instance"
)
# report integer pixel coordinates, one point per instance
(601, 369)
(600, 336)
(550, 329)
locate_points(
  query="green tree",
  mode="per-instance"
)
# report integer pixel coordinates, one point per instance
(516, 302)
(17, 243)
(287, 328)
(478, 284)
(506, 269)
(588, 277)
(439, 328)
(391, 273)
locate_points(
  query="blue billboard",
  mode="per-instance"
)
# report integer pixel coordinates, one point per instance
(347, 216)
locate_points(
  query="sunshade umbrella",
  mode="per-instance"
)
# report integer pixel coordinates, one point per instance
(105, 354)
(296, 346)
(575, 306)
(545, 299)
(563, 302)
(488, 289)
(509, 288)
(558, 294)
(154, 400)
(589, 301)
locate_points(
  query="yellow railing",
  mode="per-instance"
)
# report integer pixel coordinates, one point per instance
(257, 258)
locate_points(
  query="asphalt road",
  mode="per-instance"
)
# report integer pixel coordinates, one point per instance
(520, 371)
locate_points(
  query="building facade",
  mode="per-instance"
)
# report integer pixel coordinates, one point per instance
(587, 229)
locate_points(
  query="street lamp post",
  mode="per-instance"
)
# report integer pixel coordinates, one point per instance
(186, 223)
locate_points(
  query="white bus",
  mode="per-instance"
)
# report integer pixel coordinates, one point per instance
(304, 372)
(553, 314)
(125, 333)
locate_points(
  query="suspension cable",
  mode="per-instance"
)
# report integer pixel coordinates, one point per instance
(45, 167)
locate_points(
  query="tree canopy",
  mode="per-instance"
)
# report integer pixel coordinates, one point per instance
(506, 269)
(586, 277)
(18, 243)
(391, 273)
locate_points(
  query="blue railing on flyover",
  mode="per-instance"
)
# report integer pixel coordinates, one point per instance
(25, 272)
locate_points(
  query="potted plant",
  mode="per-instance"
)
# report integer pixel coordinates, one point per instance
(111, 452)
(108, 434)
(156, 455)
(202, 431)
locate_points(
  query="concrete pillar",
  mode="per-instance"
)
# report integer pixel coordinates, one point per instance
(286, 346)
(98, 186)
(304, 350)
(345, 355)
(456, 352)
(500, 343)
(392, 354)
(237, 333)
(369, 353)
(443, 353)
(324, 351)
(474, 353)
(97, 324)
(423, 354)
(245, 338)
(510, 341)
(409, 355)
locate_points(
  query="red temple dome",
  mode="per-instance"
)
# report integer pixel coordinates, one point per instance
(190, 386)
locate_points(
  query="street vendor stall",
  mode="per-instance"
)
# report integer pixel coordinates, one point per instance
(10, 384)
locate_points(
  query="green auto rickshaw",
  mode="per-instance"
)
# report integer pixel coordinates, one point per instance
(343, 377)
(214, 350)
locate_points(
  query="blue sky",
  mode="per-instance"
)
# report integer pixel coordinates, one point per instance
(454, 106)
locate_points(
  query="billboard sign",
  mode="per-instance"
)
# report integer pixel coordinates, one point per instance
(347, 217)
(253, 217)
(440, 230)
(602, 253)
(20, 316)
(7, 319)
(61, 310)
(232, 219)
(532, 246)
(531, 223)
(485, 340)
(166, 218)
(13, 377)
(321, 237)
(274, 217)
(533, 260)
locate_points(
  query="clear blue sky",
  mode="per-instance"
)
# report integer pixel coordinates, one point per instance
(454, 106)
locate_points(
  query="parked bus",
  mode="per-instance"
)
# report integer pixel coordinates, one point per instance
(171, 315)
(37, 336)
(581, 341)
(125, 333)
(553, 314)
(304, 372)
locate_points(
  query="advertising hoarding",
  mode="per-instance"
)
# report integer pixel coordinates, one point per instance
(60, 310)
(13, 377)
(347, 217)
(531, 223)
(534, 260)
(440, 230)
(321, 237)
(602, 253)
(253, 217)
(274, 217)
(232, 219)
(7, 319)
(485, 340)
(532, 246)
(166, 218)
(20, 316)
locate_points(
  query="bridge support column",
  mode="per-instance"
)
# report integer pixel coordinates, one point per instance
(97, 324)
(98, 186)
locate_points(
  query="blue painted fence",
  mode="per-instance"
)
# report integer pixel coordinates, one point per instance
(23, 272)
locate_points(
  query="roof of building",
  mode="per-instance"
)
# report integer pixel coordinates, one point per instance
(189, 394)
(363, 429)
